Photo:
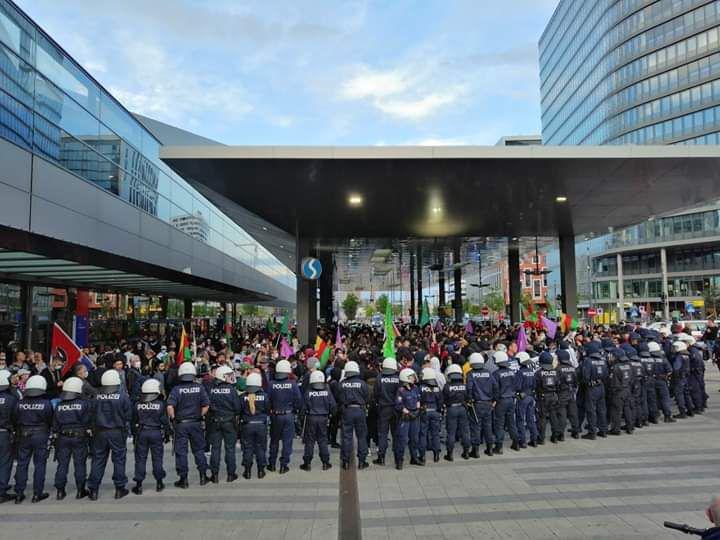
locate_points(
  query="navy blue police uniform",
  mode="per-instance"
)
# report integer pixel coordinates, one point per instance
(71, 424)
(188, 400)
(34, 419)
(319, 406)
(662, 373)
(111, 426)
(505, 407)
(594, 372)
(526, 406)
(455, 396)
(285, 400)
(386, 388)
(482, 392)
(151, 426)
(254, 411)
(431, 411)
(222, 426)
(8, 412)
(353, 395)
(407, 407)
(547, 383)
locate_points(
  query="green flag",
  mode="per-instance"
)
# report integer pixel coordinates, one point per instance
(425, 314)
(270, 326)
(389, 345)
(285, 328)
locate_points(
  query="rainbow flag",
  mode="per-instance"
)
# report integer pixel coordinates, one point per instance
(322, 351)
(184, 351)
(568, 323)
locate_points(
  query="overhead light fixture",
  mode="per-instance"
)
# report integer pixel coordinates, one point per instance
(561, 198)
(355, 199)
(436, 209)
(282, 247)
(264, 228)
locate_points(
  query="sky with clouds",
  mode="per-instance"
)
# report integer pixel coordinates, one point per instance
(355, 72)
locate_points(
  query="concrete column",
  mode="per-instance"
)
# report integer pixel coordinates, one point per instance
(188, 309)
(306, 295)
(568, 278)
(326, 286)
(163, 307)
(412, 288)
(26, 307)
(621, 289)
(514, 279)
(418, 268)
(457, 279)
(664, 277)
(441, 283)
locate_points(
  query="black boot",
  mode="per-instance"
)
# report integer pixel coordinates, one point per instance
(232, 477)
(575, 435)
(137, 490)
(380, 460)
(465, 454)
(159, 486)
(81, 492)
(182, 483)
(413, 461)
(475, 452)
(515, 446)
(449, 457)
(540, 441)
(589, 436)
(680, 415)
(533, 443)
(615, 432)
(92, 494)
(214, 478)
(271, 467)
(61, 494)
(363, 465)
(204, 478)
(6, 498)
(40, 497)
(19, 498)
(121, 492)
(488, 450)
(326, 465)
(346, 465)
(553, 438)
(498, 450)
(669, 420)
(398, 464)
(247, 472)
(283, 469)
(436, 457)
(306, 466)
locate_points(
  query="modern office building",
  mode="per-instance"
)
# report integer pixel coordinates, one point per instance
(193, 224)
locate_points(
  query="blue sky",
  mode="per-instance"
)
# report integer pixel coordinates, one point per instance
(311, 72)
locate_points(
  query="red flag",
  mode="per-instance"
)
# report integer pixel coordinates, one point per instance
(65, 347)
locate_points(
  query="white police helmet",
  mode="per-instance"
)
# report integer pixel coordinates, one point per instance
(71, 389)
(501, 347)
(654, 346)
(389, 365)
(110, 380)
(477, 359)
(500, 358)
(408, 376)
(36, 386)
(317, 380)
(253, 383)
(679, 346)
(352, 368)
(150, 390)
(4, 379)
(454, 372)
(282, 369)
(687, 339)
(429, 376)
(222, 372)
(522, 357)
(187, 372)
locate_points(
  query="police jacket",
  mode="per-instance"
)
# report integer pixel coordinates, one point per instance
(621, 376)
(661, 365)
(284, 396)
(648, 364)
(455, 392)
(353, 391)
(386, 387)
(188, 400)
(151, 415)
(407, 398)
(319, 402)
(637, 369)
(224, 402)
(430, 397)
(75, 414)
(507, 387)
(482, 385)
(594, 369)
(262, 407)
(568, 378)
(525, 378)
(697, 363)
(34, 412)
(8, 409)
(681, 364)
(547, 380)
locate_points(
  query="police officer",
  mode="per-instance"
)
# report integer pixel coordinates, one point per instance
(431, 406)
(482, 392)
(681, 370)
(222, 422)
(71, 423)
(696, 375)
(662, 373)
(547, 383)
(594, 374)
(34, 418)
(319, 404)
(386, 388)
(407, 407)
(187, 406)
(151, 429)
(111, 425)
(455, 397)
(254, 410)
(649, 401)
(566, 395)
(8, 412)
(505, 403)
(638, 386)
(621, 381)
(526, 401)
(353, 396)
(285, 400)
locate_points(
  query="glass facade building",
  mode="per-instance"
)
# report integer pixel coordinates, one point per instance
(631, 72)
(52, 107)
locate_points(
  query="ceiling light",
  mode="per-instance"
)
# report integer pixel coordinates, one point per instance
(355, 199)
(264, 228)
(282, 247)
(561, 198)
(436, 209)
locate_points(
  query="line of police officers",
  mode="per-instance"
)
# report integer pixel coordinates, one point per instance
(612, 389)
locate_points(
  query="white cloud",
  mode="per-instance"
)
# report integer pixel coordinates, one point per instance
(417, 109)
(370, 83)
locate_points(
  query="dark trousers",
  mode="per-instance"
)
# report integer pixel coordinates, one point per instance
(621, 407)
(526, 419)
(484, 425)
(316, 427)
(32, 446)
(429, 429)
(353, 422)
(254, 443)
(6, 461)
(641, 404)
(75, 448)
(696, 391)
(456, 425)
(505, 419)
(679, 389)
(105, 443)
(282, 428)
(662, 392)
(386, 423)
(568, 411)
(548, 408)
(596, 409)
(149, 441)
(220, 434)
(651, 398)
(189, 433)
(408, 431)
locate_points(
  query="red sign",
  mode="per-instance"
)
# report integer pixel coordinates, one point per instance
(485, 311)
(592, 312)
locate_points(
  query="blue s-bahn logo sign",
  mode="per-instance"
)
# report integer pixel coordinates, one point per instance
(311, 268)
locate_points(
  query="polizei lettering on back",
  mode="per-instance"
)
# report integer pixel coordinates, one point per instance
(191, 390)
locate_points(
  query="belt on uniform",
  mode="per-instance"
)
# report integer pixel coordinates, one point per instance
(594, 383)
(256, 422)
(73, 432)
(483, 401)
(223, 419)
(456, 405)
(354, 405)
(144, 427)
(4, 430)
(318, 414)
(33, 429)
(280, 413)
(101, 429)
(187, 420)
(428, 409)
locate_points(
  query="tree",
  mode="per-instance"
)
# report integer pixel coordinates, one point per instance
(249, 310)
(381, 303)
(495, 300)
(526, 301)
(369, 310)
(350, 306)
(397, 310)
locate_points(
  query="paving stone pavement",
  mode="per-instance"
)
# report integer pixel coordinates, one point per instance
(621, 487)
